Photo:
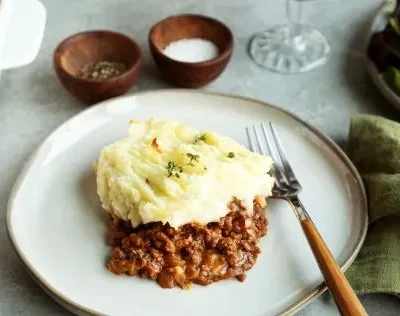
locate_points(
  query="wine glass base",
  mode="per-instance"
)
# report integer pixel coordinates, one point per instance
(289, 48)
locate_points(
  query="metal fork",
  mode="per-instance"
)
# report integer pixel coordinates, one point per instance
(288, 187)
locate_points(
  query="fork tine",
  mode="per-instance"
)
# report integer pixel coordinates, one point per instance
(259, 142)
(268, 141)
(285, 163)
(276, 171)
(250, 139)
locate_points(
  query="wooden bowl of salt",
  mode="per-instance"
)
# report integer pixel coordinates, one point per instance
(190, 50)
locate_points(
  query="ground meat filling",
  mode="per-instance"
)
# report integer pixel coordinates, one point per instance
(192, 253)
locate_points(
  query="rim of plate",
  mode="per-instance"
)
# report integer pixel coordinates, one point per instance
(75, 307)
(375, 75)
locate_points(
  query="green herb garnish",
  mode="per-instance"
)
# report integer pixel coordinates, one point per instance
(231, 155)
(173, 169)
(193, 158)
(395, 26)
(200, 138)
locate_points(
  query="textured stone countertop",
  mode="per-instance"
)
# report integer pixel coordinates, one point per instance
(32, 102)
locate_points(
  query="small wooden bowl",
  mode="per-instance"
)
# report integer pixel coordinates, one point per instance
(186, 74)
(92, 47)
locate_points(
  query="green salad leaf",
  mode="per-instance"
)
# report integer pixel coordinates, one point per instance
(393, 77)
(395, 25)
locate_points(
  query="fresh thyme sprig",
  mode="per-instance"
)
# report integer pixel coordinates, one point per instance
(193, 158)
(173, 169)
(200, 138)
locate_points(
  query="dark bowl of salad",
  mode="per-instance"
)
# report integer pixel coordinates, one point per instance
(383, 51)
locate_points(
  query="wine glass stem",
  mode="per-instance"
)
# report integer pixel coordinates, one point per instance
(293, 14)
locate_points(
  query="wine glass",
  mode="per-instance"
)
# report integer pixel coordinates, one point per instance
(292, 47)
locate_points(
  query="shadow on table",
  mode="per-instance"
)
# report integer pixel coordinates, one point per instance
(46, 90)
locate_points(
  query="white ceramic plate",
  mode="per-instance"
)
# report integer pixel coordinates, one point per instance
(378, 24)
(58, 227)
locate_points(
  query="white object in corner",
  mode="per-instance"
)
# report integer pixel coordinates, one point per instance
(22, 24)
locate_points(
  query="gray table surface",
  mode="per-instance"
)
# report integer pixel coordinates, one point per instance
(32, 102)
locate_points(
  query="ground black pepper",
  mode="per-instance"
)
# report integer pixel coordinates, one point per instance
(101, 70)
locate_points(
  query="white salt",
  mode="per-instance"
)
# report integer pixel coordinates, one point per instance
(191, 50)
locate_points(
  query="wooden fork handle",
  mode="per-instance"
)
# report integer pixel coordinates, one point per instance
(344, 296)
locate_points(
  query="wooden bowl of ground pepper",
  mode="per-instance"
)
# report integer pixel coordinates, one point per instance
(97, 65)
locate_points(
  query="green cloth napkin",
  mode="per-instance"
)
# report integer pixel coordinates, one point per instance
(374, 147)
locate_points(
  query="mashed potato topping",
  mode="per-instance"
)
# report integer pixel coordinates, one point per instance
(170, 172)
